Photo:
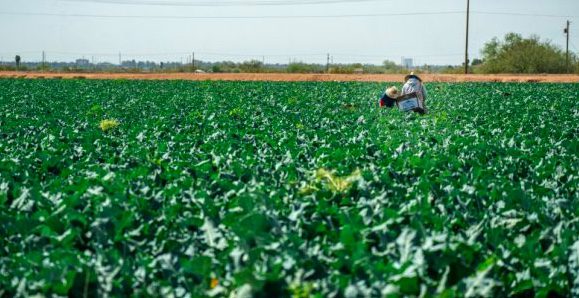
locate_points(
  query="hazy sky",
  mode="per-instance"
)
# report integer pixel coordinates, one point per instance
(431, 32)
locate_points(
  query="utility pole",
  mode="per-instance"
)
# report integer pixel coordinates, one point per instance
(567, 48)
(43, 60)
(328, 64)
(193, 61)
(120, 59)
(466, 47)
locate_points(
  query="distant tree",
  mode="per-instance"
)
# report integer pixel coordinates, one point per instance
(342, 69)
(476, 62)
(391, 67)
(17, 61)
(389, 64)
(522, 55)
(251, 66)
(216, 68)
(300, 67)
(374, 69)
(224, 66)
(452, 69)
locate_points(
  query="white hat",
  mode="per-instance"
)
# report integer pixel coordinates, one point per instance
(392, 92)
(412, 76)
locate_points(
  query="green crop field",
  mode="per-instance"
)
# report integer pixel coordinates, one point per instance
(274, 189)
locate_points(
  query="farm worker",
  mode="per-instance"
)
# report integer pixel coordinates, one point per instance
(414, 84)
(388, 99)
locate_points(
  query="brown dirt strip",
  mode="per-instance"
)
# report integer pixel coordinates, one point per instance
(285, 77)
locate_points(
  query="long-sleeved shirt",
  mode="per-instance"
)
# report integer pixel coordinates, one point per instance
(415, 85)
(385, 100)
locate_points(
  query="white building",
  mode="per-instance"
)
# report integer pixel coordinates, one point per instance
(407, 63)
(82, 62)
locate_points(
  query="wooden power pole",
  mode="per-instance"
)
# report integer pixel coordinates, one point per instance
(567, 47)
(466, 47)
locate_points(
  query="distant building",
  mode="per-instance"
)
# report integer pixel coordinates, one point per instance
(82, 62)
(407, 63)
(129, 64)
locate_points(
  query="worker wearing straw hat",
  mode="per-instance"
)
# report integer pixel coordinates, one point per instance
(413, 83)
(388, 99)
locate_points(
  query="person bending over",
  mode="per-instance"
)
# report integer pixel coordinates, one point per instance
(388, 99)
(413, 83)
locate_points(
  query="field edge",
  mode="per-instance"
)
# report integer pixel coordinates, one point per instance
(285, 77)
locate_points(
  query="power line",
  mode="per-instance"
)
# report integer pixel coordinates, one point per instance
(346, 55)
(80, 15)
(567, 51)
(301, 54)
(227, 17)
(124, 53)
(223, 3)
(129, 55)
(466, 46)
(517, 14)
(184, 53)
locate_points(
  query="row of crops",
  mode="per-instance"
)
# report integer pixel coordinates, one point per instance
(273, 189)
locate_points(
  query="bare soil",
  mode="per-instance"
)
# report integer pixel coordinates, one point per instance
(544, 78)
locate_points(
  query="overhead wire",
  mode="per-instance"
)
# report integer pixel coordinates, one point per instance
(207, 55)
(227, 17)
(223, 3)
(520, 14)
(83, 15)
(390, 54)
(265, 17)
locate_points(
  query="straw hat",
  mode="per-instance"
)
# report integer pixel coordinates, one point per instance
(412, 76)
(392, 92)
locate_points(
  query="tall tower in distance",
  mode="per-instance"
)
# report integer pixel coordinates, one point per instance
(407, 63)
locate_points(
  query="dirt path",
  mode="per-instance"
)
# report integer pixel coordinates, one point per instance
(298, 77)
